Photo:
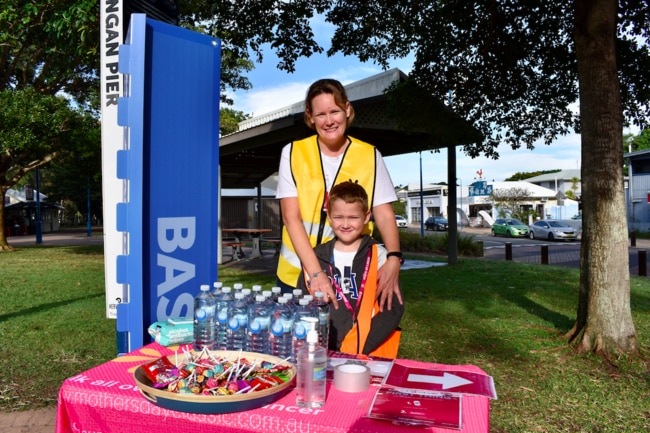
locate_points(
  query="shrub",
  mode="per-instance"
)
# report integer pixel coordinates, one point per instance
(436, 244)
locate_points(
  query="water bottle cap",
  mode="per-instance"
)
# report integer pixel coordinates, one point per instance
(276, 289)
(283, 300)
(319, 294)
(226, 289)
(257, 287)
(205, 287)
(267, 293)
(239, 295)
(246, 291)
(297, 292)
(260, 298)
(308, 297)
(238, 286)
(304, 301)
(217, 284)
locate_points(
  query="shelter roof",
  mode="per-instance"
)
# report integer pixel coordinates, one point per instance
(252, 154)
(566, 174)
(534, 190)
(33, 205)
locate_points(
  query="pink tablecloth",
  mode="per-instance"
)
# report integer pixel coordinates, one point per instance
(106, 399)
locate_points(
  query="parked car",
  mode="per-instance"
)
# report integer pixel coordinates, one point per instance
(401, 221)
(437, 223)
(510, 227)
(551, 230)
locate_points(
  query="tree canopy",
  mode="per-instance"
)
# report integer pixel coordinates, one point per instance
(516, 71)
(49, 88)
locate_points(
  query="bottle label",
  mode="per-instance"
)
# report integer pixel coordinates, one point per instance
(277, 328)
(258, 324)
(320, 373)
(233, 324)
(222, 316)
(200, 314)
(299, 330)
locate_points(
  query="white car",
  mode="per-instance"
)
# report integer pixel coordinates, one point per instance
(552, 230)
(401, 221)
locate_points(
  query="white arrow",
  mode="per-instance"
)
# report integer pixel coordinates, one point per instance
(447, 380)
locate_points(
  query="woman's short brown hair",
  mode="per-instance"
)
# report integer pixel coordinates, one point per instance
(334, 88)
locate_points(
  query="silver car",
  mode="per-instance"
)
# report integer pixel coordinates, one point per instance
(552, 230)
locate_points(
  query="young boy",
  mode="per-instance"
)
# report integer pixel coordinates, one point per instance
(351, 261)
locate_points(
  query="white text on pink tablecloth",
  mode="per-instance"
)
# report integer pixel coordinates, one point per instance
(138, 405)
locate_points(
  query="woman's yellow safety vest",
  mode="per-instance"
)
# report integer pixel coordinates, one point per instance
(358, 165)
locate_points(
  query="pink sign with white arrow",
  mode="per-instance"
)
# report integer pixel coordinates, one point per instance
(459, 382)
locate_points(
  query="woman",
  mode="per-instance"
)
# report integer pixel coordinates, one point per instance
(308, 170)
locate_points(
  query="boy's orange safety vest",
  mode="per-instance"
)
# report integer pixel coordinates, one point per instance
(355, 339)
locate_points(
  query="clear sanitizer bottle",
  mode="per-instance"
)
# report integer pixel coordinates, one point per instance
(312, 369)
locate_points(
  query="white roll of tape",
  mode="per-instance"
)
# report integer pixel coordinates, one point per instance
(351, 377)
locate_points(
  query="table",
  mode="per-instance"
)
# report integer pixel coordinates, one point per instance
(254, 234)
(106, 399)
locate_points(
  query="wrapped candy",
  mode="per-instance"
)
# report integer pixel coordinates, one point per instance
(206, 374)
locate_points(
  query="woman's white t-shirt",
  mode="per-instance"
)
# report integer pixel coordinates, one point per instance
(384, 190)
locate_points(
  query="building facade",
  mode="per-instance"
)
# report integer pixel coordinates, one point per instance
(475, 203)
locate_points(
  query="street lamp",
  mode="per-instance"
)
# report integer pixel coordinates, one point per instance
(39, 225)
(89, 230)
(461, 201)
(421, 201)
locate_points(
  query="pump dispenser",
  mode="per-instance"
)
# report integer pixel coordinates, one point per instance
(312, 369)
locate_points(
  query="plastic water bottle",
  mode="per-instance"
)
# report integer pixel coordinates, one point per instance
(312, 306)
(268, 299)
(216, 288)
(281, 328)
(247, 296)
(236, 288)
(323, 319)
(205, 306)
(299, 333)
(256, 289)
(290, 302)
(223, 304)
(277, 292)
(312, 369)
(237, 323)
(259, 317)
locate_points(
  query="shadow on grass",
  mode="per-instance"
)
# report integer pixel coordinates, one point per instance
(44, 307)
(85, 250)
(476, 309)
(559, 321)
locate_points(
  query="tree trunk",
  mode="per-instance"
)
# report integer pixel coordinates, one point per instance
(604, 321)
(4, 246)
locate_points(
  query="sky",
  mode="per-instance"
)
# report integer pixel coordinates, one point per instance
(274, 89)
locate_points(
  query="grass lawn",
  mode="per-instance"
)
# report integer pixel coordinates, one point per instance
(507, 318)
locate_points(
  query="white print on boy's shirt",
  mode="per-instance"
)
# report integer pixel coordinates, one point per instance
(343, 264)
(345, 278)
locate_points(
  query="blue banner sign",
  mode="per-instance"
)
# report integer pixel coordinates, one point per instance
(171, 158)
